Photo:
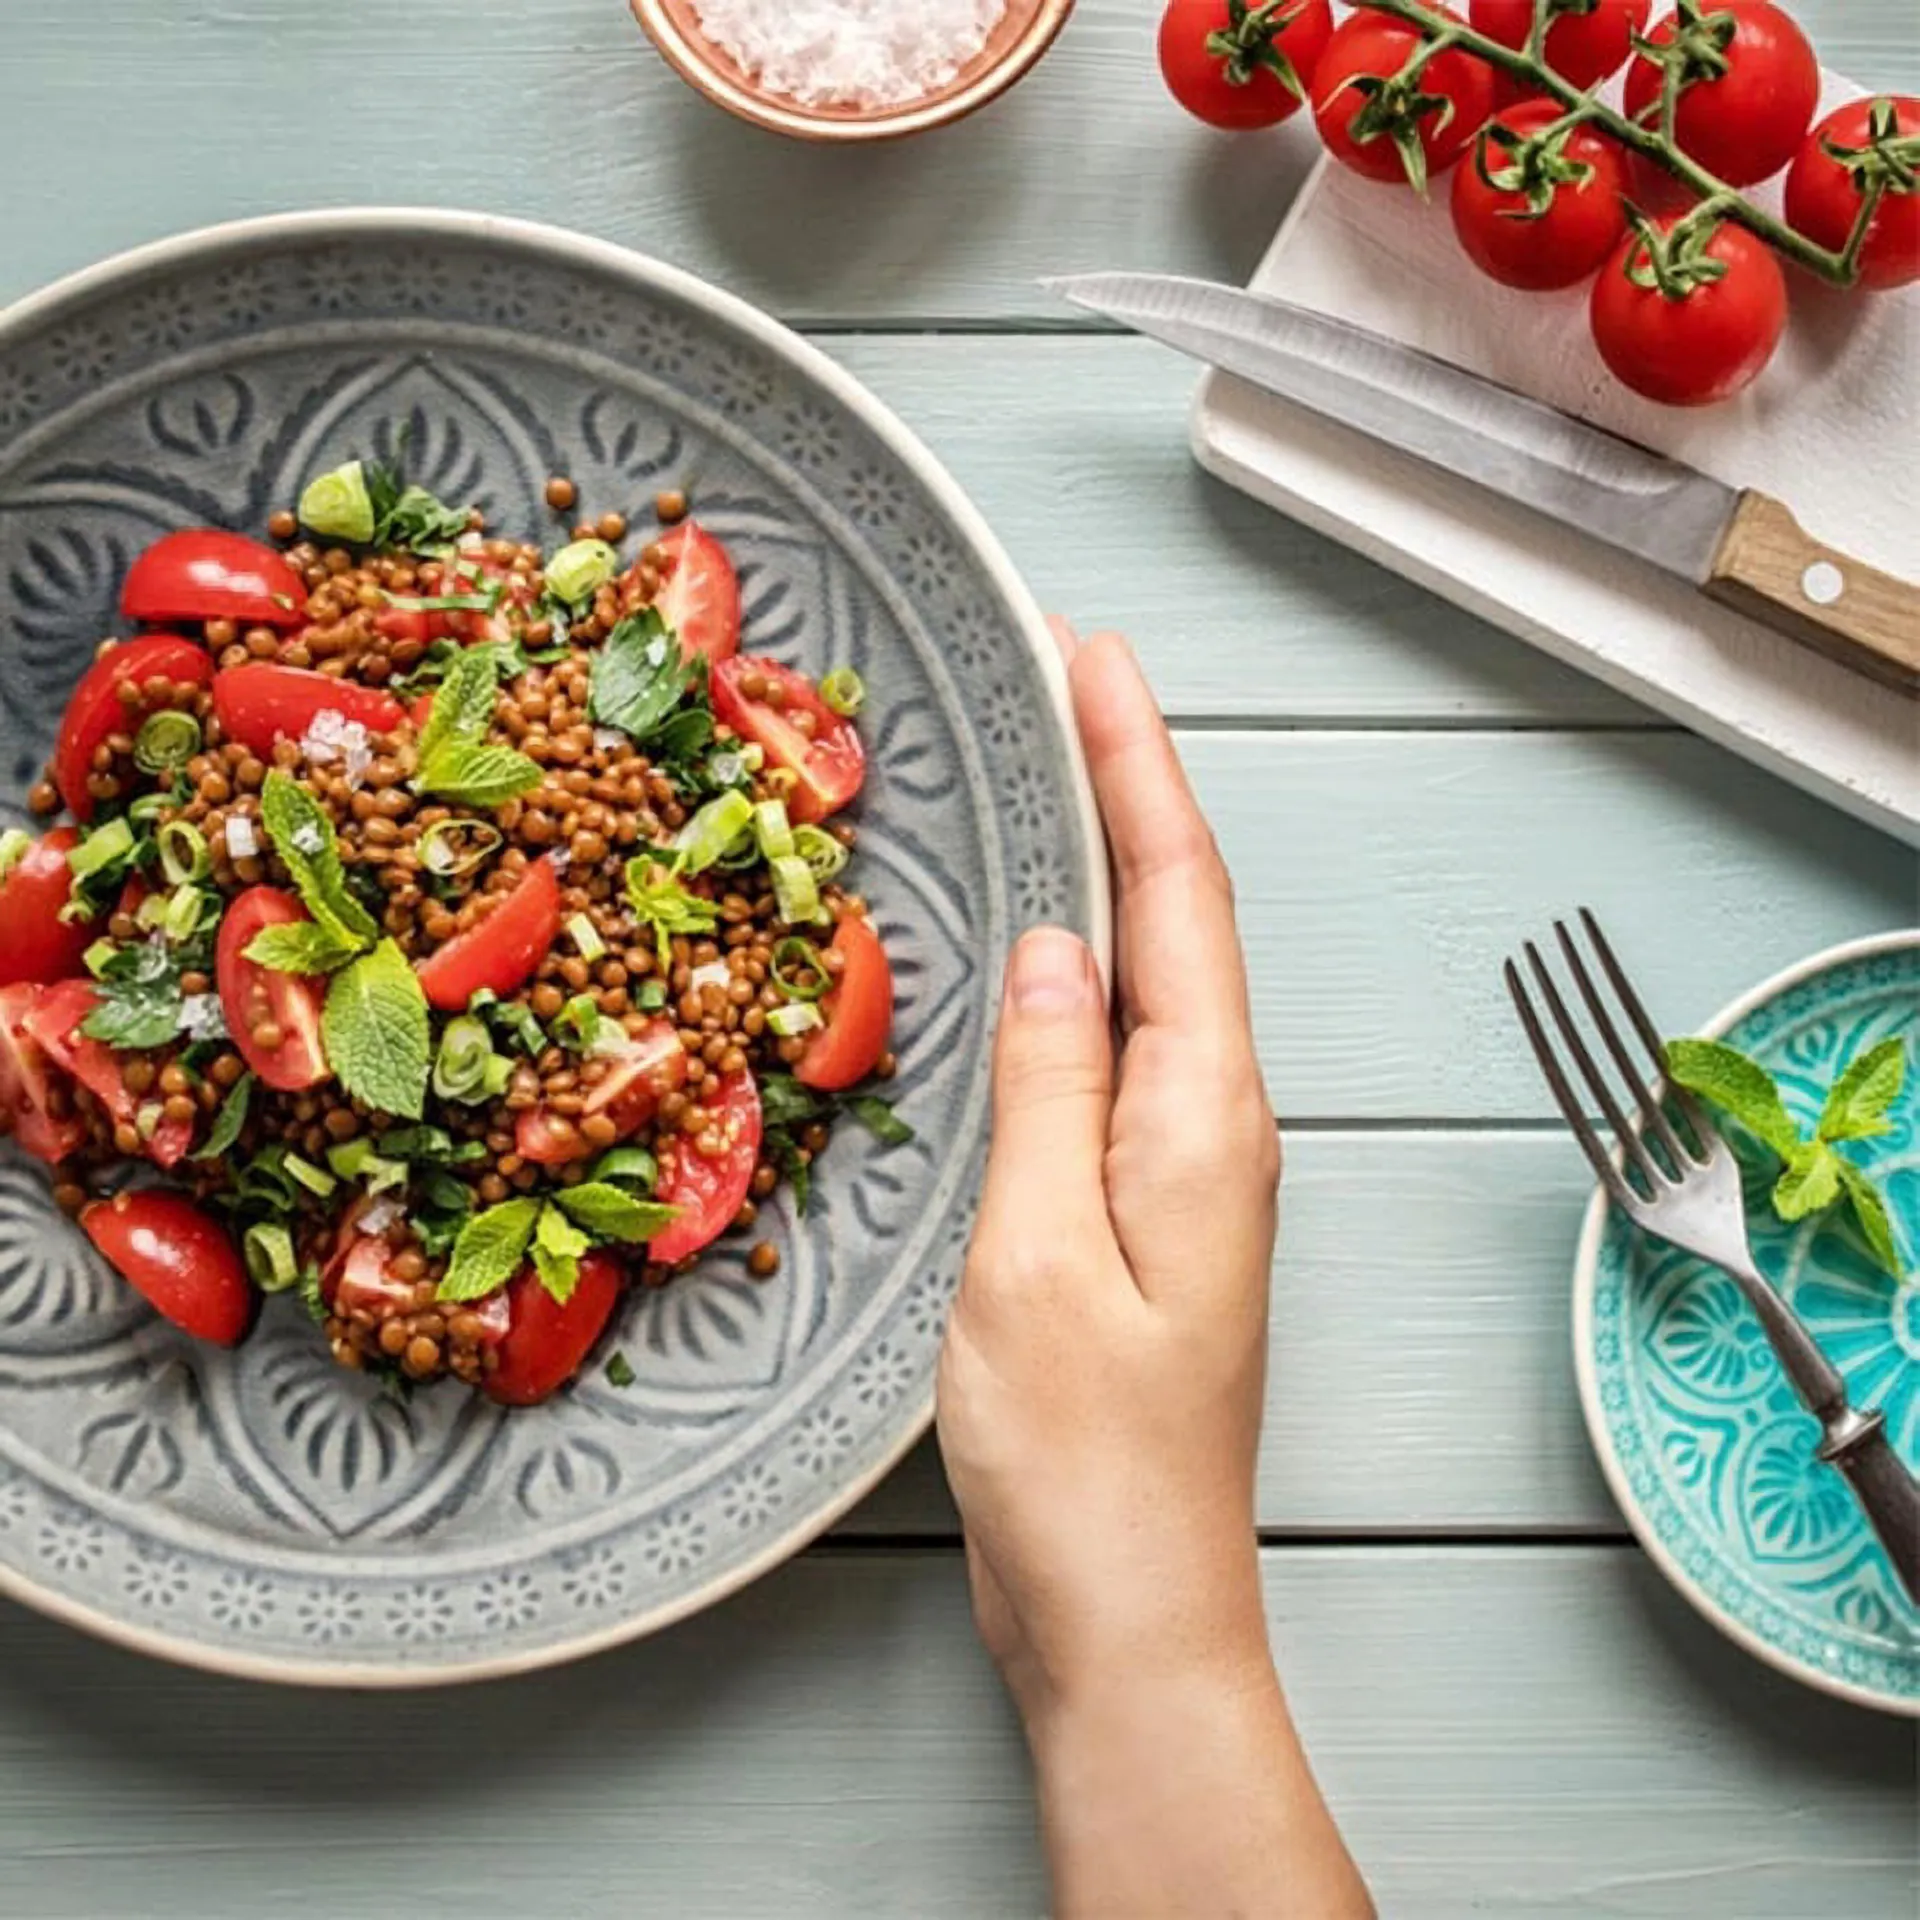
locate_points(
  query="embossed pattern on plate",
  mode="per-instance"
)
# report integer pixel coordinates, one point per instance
(1701, 1436)
(262, 1510)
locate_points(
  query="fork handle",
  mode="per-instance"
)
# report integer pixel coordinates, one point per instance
(1888, 1493)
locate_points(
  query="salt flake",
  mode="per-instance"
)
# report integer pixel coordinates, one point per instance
(242, 842)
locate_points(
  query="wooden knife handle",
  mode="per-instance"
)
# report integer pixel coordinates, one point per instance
(1773, 571)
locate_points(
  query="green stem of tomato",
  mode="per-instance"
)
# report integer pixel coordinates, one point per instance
(1870, 200)
(1543, 12)
(1659, 146)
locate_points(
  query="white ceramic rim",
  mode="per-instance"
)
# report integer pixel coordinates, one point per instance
(347, 224)
(1593, 1227)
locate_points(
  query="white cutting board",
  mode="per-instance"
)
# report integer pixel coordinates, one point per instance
(1832, 427)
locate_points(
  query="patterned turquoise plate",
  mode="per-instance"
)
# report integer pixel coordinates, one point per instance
(263, 1511)
(1706, 1448)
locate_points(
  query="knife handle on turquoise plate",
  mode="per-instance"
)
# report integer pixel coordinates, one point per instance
(1772, 570)
(1888, 1493)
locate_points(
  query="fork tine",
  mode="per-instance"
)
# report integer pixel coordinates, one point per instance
(1704, 1130)
(1631, 1145)
(1563, 1094)
(1652, 1114)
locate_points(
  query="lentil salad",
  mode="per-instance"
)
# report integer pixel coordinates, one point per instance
(461, 928)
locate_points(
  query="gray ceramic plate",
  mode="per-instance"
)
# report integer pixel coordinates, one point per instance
(262, 1511)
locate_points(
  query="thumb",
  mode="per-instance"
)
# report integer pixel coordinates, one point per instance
(1052, 1091)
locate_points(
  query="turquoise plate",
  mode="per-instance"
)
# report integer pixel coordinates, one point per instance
(1708, 1451)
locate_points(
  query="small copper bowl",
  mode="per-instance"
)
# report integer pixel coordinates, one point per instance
(1025, 32)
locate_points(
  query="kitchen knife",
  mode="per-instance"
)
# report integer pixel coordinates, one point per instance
(1740, 547)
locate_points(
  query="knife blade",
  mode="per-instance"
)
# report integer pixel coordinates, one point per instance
(1740, 547)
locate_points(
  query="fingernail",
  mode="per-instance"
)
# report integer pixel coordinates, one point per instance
(1064, 637)
(1049, 973)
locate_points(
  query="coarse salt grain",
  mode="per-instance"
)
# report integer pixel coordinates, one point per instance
(242, 844)
(332, 736)
(608, 739)
(201, 1018)
(853, 53)
(715, 973)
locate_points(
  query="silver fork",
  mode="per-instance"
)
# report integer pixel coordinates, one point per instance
(1689, 1193)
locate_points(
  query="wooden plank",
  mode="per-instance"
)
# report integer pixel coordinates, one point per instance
(1421, 1379)
(1383, 877)
(1514, 1732)
(1075, 449)
(165, 117)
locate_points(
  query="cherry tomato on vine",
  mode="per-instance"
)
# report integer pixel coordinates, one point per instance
(1856, 147)
(1389, 128)
(1697, 340)
(1749, 85)
(1539, 216)
(1580, 47)
(1242, 63)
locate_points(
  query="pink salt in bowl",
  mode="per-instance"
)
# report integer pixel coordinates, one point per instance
(1023, 33)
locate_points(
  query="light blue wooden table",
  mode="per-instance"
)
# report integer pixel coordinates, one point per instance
(1512, 1713)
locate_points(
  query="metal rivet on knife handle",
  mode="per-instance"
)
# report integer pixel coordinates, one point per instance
(1770, 569)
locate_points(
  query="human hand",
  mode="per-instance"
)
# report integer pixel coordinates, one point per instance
(1101, 1388)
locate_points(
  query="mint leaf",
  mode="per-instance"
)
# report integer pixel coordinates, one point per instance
(410, 517)
(228, 1121)
(1857, 1104)
(609, 1214)
(463, 708)
(489, 1250)
(1811, 1181)
(140, 1003)
(639, 678)
(300, 946)
(477, 776)
(1737, 1086)
(784, 1102)
(376, 1033)
(302, 835)
(1876, 1227)
(619, 1370)
(557, 1247)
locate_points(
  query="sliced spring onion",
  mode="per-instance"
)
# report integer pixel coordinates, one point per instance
(586, 937)
(152, 911)
(460, 1067)
(713, 830)
(105, 844)
(146, 1120)
(15, 844)
(499, 1073)
(185, 910)
(96, 957)
(150, 806)
(577, 1024)
(798, 970)
(317, 1180)
(772, 830)
(795, 896)
(650, 996)
(844, 692)
(824, 855)
(442, 602)
(183, 852)
(797, 1016)
(452, 847)
(338, 506)
(268, 1252)
(350, 1158)
(166, 741)
(577, 572)
(626, 1166)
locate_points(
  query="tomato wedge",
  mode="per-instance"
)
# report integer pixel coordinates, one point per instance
(35, 943)
(39, 1104)
(467, 624)
(709, 1192)
(54, 1022)
(203, 573)
(503, 950)
(253, 996)
(699, 596)
(95, 709)
(858, 1012)
(545, 1341)
(829, 766)
(628, 1095)
(178, 1258)
(260, 703)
